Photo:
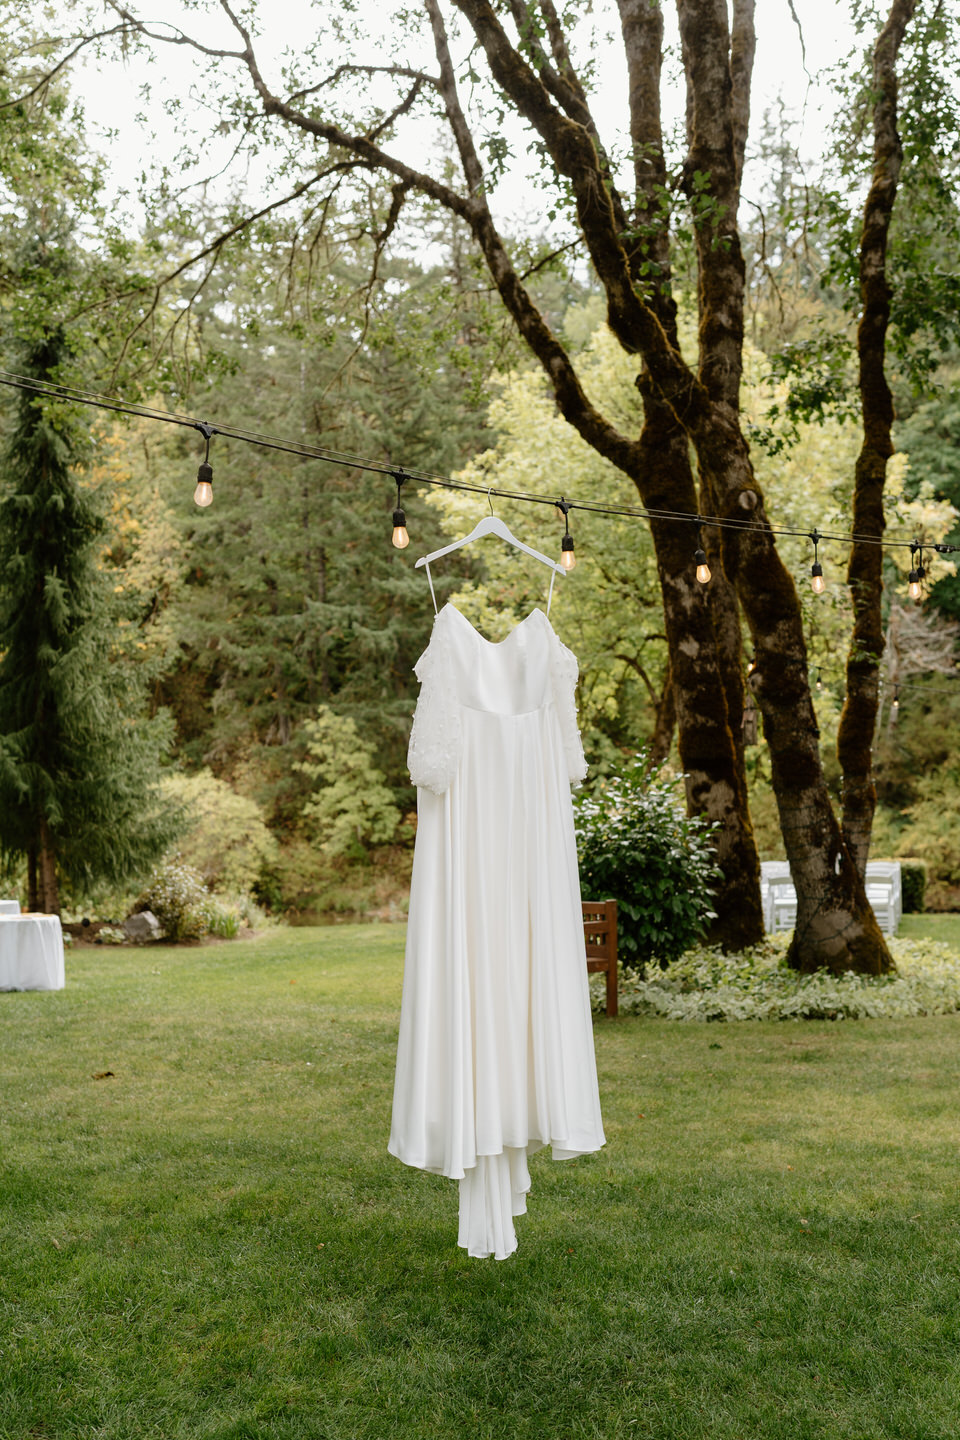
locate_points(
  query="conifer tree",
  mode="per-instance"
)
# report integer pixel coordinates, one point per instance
(78, 763)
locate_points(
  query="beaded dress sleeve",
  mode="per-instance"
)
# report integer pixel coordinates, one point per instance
(563, 675)
(434, 751)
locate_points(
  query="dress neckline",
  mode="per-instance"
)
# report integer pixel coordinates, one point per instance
(495, 643)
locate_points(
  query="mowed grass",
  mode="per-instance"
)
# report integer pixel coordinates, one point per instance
(213, 1242)
(932, 927)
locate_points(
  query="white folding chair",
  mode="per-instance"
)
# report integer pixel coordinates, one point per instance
(884, 892)
(773, 873)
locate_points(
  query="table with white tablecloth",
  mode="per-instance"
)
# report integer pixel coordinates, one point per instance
(9, 907)
(31, 952)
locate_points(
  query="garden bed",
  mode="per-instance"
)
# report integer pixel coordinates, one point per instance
(705, 984)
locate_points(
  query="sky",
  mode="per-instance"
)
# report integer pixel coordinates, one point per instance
(110, 89)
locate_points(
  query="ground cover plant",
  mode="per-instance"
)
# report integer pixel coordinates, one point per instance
(704, 984)
(203, 1235)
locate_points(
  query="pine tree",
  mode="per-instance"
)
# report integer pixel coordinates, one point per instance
(78, 763)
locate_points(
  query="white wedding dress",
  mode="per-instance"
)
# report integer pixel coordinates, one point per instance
(495, 1057)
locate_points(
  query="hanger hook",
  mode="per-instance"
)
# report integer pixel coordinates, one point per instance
(490, 502)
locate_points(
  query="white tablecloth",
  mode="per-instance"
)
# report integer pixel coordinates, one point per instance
(31, 953)
(9, 907)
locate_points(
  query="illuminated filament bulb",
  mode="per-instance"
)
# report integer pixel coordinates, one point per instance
(400, 537)
(816, 569)
(895, 707)
(917, 573)
(203, 495)
(567, 557)
(703, 569)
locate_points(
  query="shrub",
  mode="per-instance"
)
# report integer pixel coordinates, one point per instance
(177, 896)
(932, 833)
(913, 885)
(228, 841)
(637, 845)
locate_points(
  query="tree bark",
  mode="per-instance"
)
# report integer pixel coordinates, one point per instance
(865, 570)
(664, 723)
(33, 886)
(49, 887)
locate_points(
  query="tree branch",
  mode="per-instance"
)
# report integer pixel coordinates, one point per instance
(48, 77)
(176, 37)
(402, 71)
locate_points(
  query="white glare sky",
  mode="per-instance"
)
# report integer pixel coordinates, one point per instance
(110, 88)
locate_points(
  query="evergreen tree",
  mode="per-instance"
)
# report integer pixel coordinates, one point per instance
(78, 764)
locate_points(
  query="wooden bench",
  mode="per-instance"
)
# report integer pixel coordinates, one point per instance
(600, 937)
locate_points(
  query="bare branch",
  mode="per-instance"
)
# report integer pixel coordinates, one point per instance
(401, 109)
(401, 71)
(554, 255)
(803, 49)
(175, 37)
(46, 79)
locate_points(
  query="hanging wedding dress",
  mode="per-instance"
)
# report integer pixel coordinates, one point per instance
(495, 1057)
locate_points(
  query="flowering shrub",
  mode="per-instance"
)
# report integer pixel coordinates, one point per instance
(757, 985)
(638, 846)
(178, 897)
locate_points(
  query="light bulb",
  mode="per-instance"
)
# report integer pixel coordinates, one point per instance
(914, 587)
(203, 495)
(400, 537)
(567, 558)
(703, 569)
(816, 578)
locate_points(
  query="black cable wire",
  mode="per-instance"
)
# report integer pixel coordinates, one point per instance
(74, 395)
(281, 445)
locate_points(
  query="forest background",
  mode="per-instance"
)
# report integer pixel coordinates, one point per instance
(277, 631)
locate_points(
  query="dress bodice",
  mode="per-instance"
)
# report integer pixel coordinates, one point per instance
(517, 676)
(508, 677)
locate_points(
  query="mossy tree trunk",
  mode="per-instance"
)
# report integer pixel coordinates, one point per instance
(858, 718)
(702, 625)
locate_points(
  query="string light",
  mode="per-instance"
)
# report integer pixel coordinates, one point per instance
(700, 558)
(917, 573)
(895, 707)
(816, 569)
(819, 683)
(400, 537)
(94, 400)
(567, 558)
(203, 494)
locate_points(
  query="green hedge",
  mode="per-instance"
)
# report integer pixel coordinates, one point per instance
(913, 885)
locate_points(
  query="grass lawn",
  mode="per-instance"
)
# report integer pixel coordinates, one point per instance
(212, 1242)
(932, 927)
